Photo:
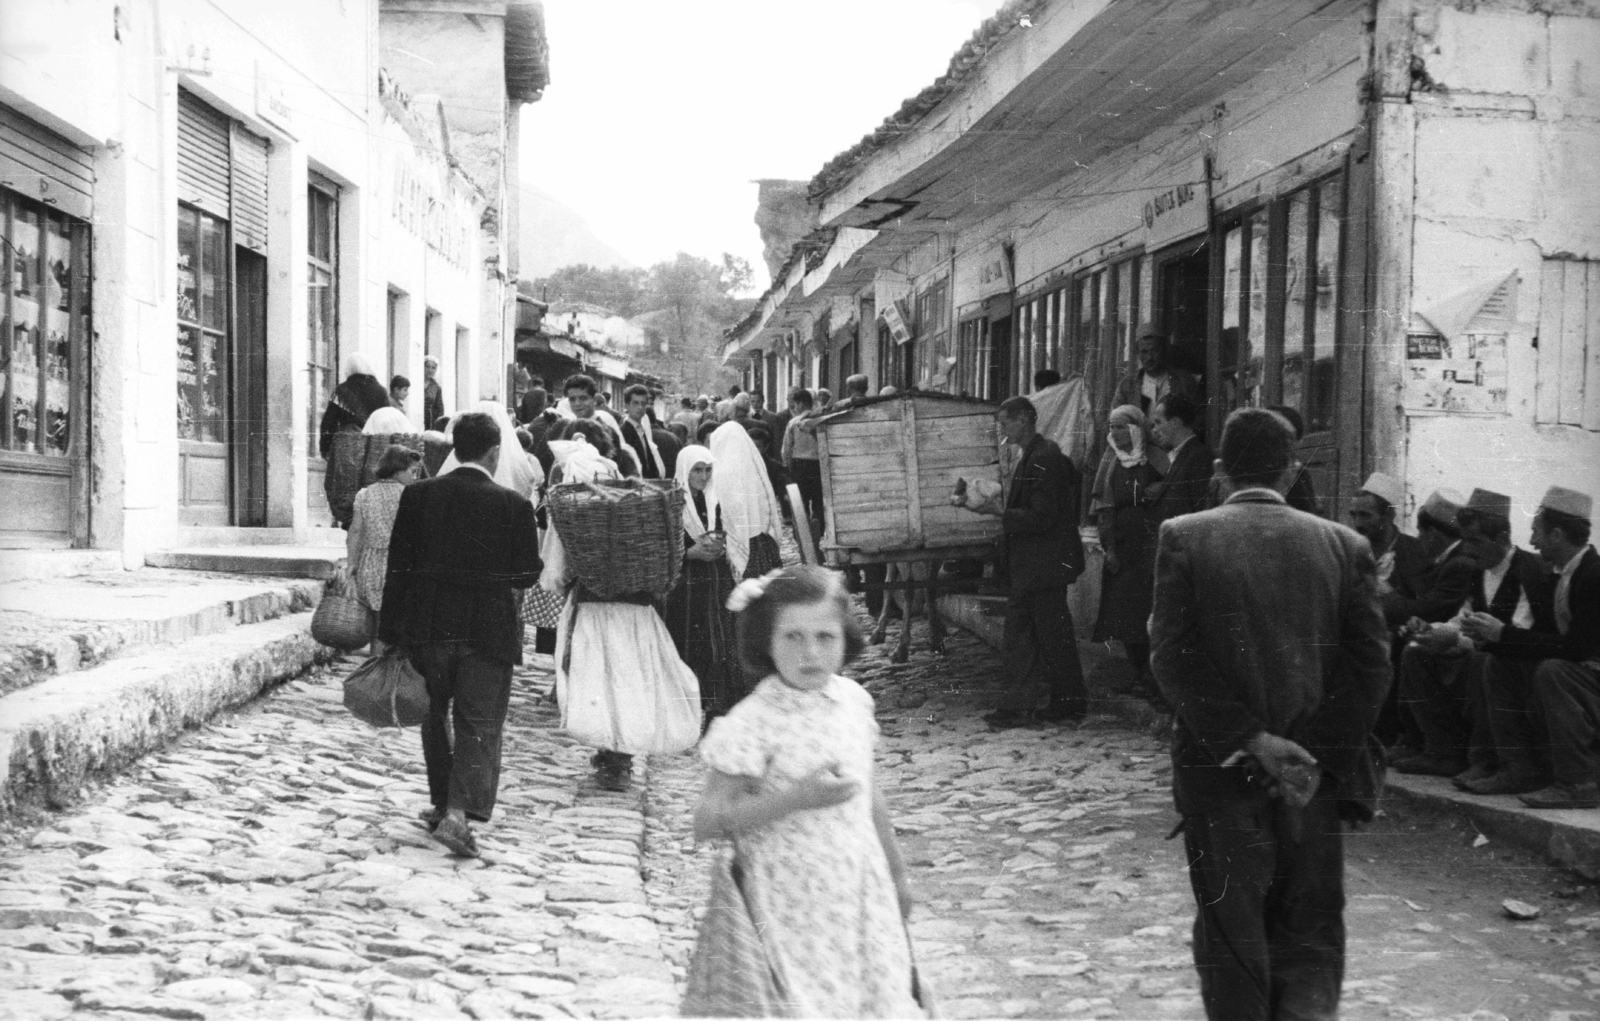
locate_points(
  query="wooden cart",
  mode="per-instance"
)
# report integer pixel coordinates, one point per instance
(889, 465)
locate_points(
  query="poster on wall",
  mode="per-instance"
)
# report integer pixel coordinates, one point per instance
(1456, 351)
(1466, 374)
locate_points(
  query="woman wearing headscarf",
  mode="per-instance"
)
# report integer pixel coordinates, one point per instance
(1129, 525)
(696, 612)
(619, 681)
(750, 511)
(387, 422)
(517, 470)
(367, 545)
(353, 401)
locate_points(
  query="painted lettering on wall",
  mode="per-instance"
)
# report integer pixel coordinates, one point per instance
(431, 211)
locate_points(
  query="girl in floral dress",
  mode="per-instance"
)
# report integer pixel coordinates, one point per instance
(791, 780)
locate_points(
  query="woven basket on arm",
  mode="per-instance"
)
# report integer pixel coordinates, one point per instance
(623, 537)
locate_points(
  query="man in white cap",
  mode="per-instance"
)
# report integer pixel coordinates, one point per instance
(1539, 681)
(1441, 670)
(1403, 566)
(1431, 597)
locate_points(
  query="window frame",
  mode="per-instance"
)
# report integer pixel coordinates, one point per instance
(318, 190)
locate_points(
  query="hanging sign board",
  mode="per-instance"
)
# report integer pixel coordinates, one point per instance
(994, 274)
(896, 321)
(1173, 211)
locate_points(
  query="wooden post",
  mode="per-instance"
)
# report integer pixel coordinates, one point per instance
(1393, 120)
(908, 439)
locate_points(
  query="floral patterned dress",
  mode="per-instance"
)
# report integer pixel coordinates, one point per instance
(367, 544)
(820, 875)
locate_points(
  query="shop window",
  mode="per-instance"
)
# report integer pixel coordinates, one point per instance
(42, 311)
(930, 334)
(203, 290)
(891, 360)
(322, 280)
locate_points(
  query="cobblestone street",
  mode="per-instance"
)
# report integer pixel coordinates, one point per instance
(271, 865)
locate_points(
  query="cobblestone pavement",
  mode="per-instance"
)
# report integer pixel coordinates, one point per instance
(1047, 889)
(270, 865)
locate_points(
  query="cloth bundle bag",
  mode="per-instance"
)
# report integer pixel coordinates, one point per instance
(732, 973)
(387, 691)
(341, 621)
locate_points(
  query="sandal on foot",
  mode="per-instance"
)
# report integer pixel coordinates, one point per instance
(430, 818)
(457, 837)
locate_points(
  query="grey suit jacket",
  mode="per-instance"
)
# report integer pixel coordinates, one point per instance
(1267, 619)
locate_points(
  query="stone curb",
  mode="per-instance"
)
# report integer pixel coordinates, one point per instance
(1569, 837)
(316, 562)
(57, 734)
(81, 644)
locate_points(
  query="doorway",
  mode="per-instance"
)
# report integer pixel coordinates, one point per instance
(1183, 301)
(1000, 358)
(249, 419)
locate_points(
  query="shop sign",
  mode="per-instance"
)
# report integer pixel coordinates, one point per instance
(1175, 211)
(994, 274)
(895, 319)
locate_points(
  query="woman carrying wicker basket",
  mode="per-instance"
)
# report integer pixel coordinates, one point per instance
(619, 681)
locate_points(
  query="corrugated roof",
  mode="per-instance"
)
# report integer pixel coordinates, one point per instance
(527, 51)
(839, 170)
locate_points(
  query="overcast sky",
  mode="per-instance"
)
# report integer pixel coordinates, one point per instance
(660, 115)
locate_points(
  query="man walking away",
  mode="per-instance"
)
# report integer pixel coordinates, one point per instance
(460, 544)
(1270, 647)
(1045, 555)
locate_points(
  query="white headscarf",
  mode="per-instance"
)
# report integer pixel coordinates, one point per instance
(517, 470)
(386, 421)
(744, 490)
(689, 458)
(579, 461)
(356, 363)
(1133, 418)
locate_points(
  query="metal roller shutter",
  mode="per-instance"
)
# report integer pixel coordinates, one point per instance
(43, 166)
(203, 164)
(249, 190)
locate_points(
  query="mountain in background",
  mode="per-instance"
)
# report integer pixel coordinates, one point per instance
(553, 235)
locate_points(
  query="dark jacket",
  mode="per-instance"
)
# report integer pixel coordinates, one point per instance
(1044, 549)
(460, 544)
(432, 402)
(667, 442)
(1130, 388)
(1187, 487)
(1451, 585)
(349, 407)
(1529, 575)
(1267, 619)
(641, 450)
(1581, 643)
(1414, 572)
(1302, 495)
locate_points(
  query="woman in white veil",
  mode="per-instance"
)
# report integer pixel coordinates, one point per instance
(517, 470)
(387, 422)
(749, 508)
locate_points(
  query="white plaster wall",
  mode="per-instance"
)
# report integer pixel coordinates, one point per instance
(1506, 148)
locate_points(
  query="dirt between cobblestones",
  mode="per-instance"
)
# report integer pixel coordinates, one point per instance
(1046, 886)
(270, 865)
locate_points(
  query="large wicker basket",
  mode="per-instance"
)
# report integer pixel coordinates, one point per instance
(622, 538)
(353, 466)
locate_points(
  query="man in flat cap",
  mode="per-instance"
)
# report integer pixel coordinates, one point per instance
(1438, 596)
(1541, 682)
(1441, 671)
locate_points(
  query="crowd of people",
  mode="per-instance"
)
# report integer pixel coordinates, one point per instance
(1299, 656)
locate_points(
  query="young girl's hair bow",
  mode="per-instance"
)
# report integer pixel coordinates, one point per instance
(749, 590)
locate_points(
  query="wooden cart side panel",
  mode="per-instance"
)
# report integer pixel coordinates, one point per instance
(912, 474)
(827, 487)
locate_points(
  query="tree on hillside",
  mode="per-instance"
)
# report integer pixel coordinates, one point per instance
(683, 305)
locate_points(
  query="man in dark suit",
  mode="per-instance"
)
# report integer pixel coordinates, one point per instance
(1188, 479)
(460, 544)
(639, 433)
(1404, 566)
(1543, 687)
(1441, 671)
(1045, 554)
(1269, 645)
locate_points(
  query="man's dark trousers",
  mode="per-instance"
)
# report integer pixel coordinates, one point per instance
(467, 774)
(1041, 651)
(1269, 930)
(807, 475)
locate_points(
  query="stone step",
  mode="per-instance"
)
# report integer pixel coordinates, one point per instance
(318, 562)
(57, 734)
(63, 625)
(1569, 837)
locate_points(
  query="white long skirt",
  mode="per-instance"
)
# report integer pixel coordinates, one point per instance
(620, 682)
